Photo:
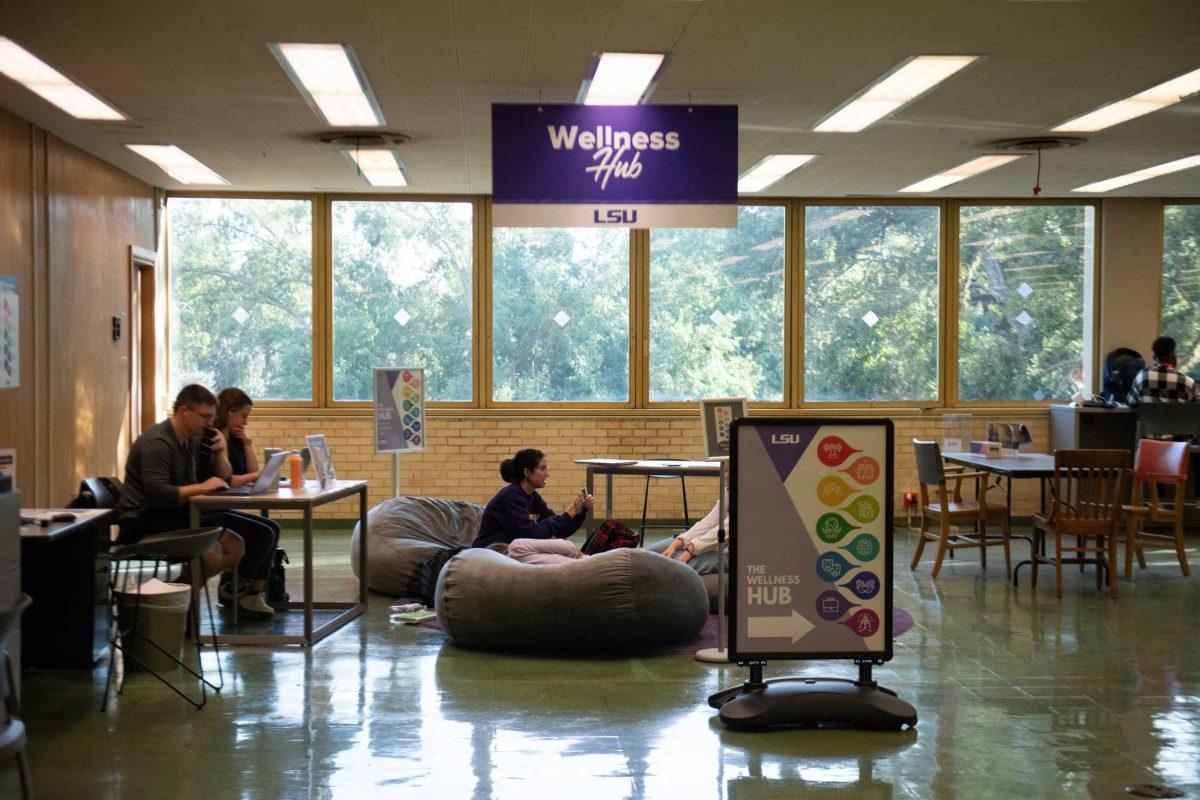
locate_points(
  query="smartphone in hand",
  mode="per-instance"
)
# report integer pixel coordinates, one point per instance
(206, 440)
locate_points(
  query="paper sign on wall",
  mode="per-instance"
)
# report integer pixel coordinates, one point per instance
(614, 166)
(811, 555)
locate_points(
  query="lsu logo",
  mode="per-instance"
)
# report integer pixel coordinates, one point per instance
(615, 216)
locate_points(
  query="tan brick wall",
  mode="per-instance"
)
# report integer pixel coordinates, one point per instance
(465, 452)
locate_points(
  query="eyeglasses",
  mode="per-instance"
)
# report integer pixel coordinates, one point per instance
(209, 417)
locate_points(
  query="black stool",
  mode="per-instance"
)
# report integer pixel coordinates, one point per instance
(646, 502)
(163, 549)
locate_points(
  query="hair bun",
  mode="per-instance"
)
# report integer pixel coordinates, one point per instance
(508, 470)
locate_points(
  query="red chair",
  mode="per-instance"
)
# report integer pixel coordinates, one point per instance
(1157, 465)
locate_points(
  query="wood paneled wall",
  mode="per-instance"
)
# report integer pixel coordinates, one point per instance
(68, 220)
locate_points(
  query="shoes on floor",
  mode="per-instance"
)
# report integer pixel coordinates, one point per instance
(256, 603)
(225, 594)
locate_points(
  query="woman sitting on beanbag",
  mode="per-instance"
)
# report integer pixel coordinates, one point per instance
(518, 512)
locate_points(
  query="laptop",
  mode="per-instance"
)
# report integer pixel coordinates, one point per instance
(266, 477)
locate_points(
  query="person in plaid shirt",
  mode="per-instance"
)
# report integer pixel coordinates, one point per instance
(1161, 382)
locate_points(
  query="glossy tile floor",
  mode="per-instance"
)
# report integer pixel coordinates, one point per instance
(1020, 695)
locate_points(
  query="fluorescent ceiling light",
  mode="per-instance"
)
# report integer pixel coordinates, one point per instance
(621, 79)
(1141, 175)
(51, 85)
(1154, 98)
(961, 172)
(379, 167)
(769, 170)
(900, 86)
(333, 83)
(178, 164)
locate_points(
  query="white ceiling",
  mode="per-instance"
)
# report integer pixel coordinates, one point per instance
(199, 75)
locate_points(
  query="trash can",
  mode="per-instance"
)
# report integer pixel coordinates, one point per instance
(161, 617)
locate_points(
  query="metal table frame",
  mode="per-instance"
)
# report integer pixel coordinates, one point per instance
(597, 466)
(306, 500)
(1023, 467)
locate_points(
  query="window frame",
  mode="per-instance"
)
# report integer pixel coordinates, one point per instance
(1091, 294)
(791, 257)
(940, 345)
(327, 367)
(316, 397)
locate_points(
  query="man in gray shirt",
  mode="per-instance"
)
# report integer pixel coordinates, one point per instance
(160, 476)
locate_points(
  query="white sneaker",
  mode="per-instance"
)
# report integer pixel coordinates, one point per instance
(256, 604)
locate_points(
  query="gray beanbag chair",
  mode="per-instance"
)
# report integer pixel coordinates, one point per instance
(621, 600)
(404, 531)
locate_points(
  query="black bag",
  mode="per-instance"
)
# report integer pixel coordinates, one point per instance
(277, 581)
(1121, 368)
(611, 535)
(98, 493)
(430, 570)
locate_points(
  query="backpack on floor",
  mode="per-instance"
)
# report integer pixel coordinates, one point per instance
(277, 595)
(611, 535)
(430, 570)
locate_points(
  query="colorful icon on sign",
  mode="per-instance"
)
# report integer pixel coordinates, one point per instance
(831, 605)
(864, 547)
(865, 585)
(864, 470)
(864, 622)
(832, 527)
(832, 490)
(864, 509)
(407, 376)
(833, 450)
(831, 566)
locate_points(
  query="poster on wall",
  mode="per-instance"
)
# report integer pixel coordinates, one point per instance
(399, 410)
(10, 330)
(716, 421)
(811, 554)
(643, 166)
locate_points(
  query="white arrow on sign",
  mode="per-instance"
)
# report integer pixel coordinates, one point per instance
(795, 626)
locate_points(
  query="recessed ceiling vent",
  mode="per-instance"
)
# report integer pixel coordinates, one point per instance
(354, 140)
(1032, 144)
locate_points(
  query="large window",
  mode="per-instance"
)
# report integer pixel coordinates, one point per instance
(560, 311)
(402, 294)
(1181, 282)
(870, 303)
(716, 309)
(241, 295)
(1022, 300)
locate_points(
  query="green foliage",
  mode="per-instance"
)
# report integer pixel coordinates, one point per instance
(1181, 279)
(252, 255)
(738, 272)
(880, 261)
(413, 257)
(538, 272)
(1002, 354)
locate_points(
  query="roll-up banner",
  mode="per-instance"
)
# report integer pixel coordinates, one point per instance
(573, 166)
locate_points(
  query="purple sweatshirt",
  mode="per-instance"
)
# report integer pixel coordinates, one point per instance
(512, 514)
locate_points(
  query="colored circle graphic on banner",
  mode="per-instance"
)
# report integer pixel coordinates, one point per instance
(407, 376)
(416, 426)
(832, 527)
(865, 585)
(864, 547)
(416, 440)
(831, 605)
(831, 566)
(407, 434)
(863, 470)
(864, 622)
(408, 406)
(864, 509)
(833, 450)
(832, 490)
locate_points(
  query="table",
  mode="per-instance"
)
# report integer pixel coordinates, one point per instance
(1024, 466)
(613, 466)
(58, 570)
(306, 499)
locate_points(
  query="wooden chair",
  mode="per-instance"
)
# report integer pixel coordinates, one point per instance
(1087, 501)
(1158, 464)
(950, 509)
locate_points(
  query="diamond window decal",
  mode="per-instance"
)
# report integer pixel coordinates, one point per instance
(1024, 290)
(717, 317)
(1024, 318)
(562, 318)
(871, 318)
(241, 315)
(1039, 395)
(402, 317)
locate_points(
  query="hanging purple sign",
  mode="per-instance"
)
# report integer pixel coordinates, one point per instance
(614, 166)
